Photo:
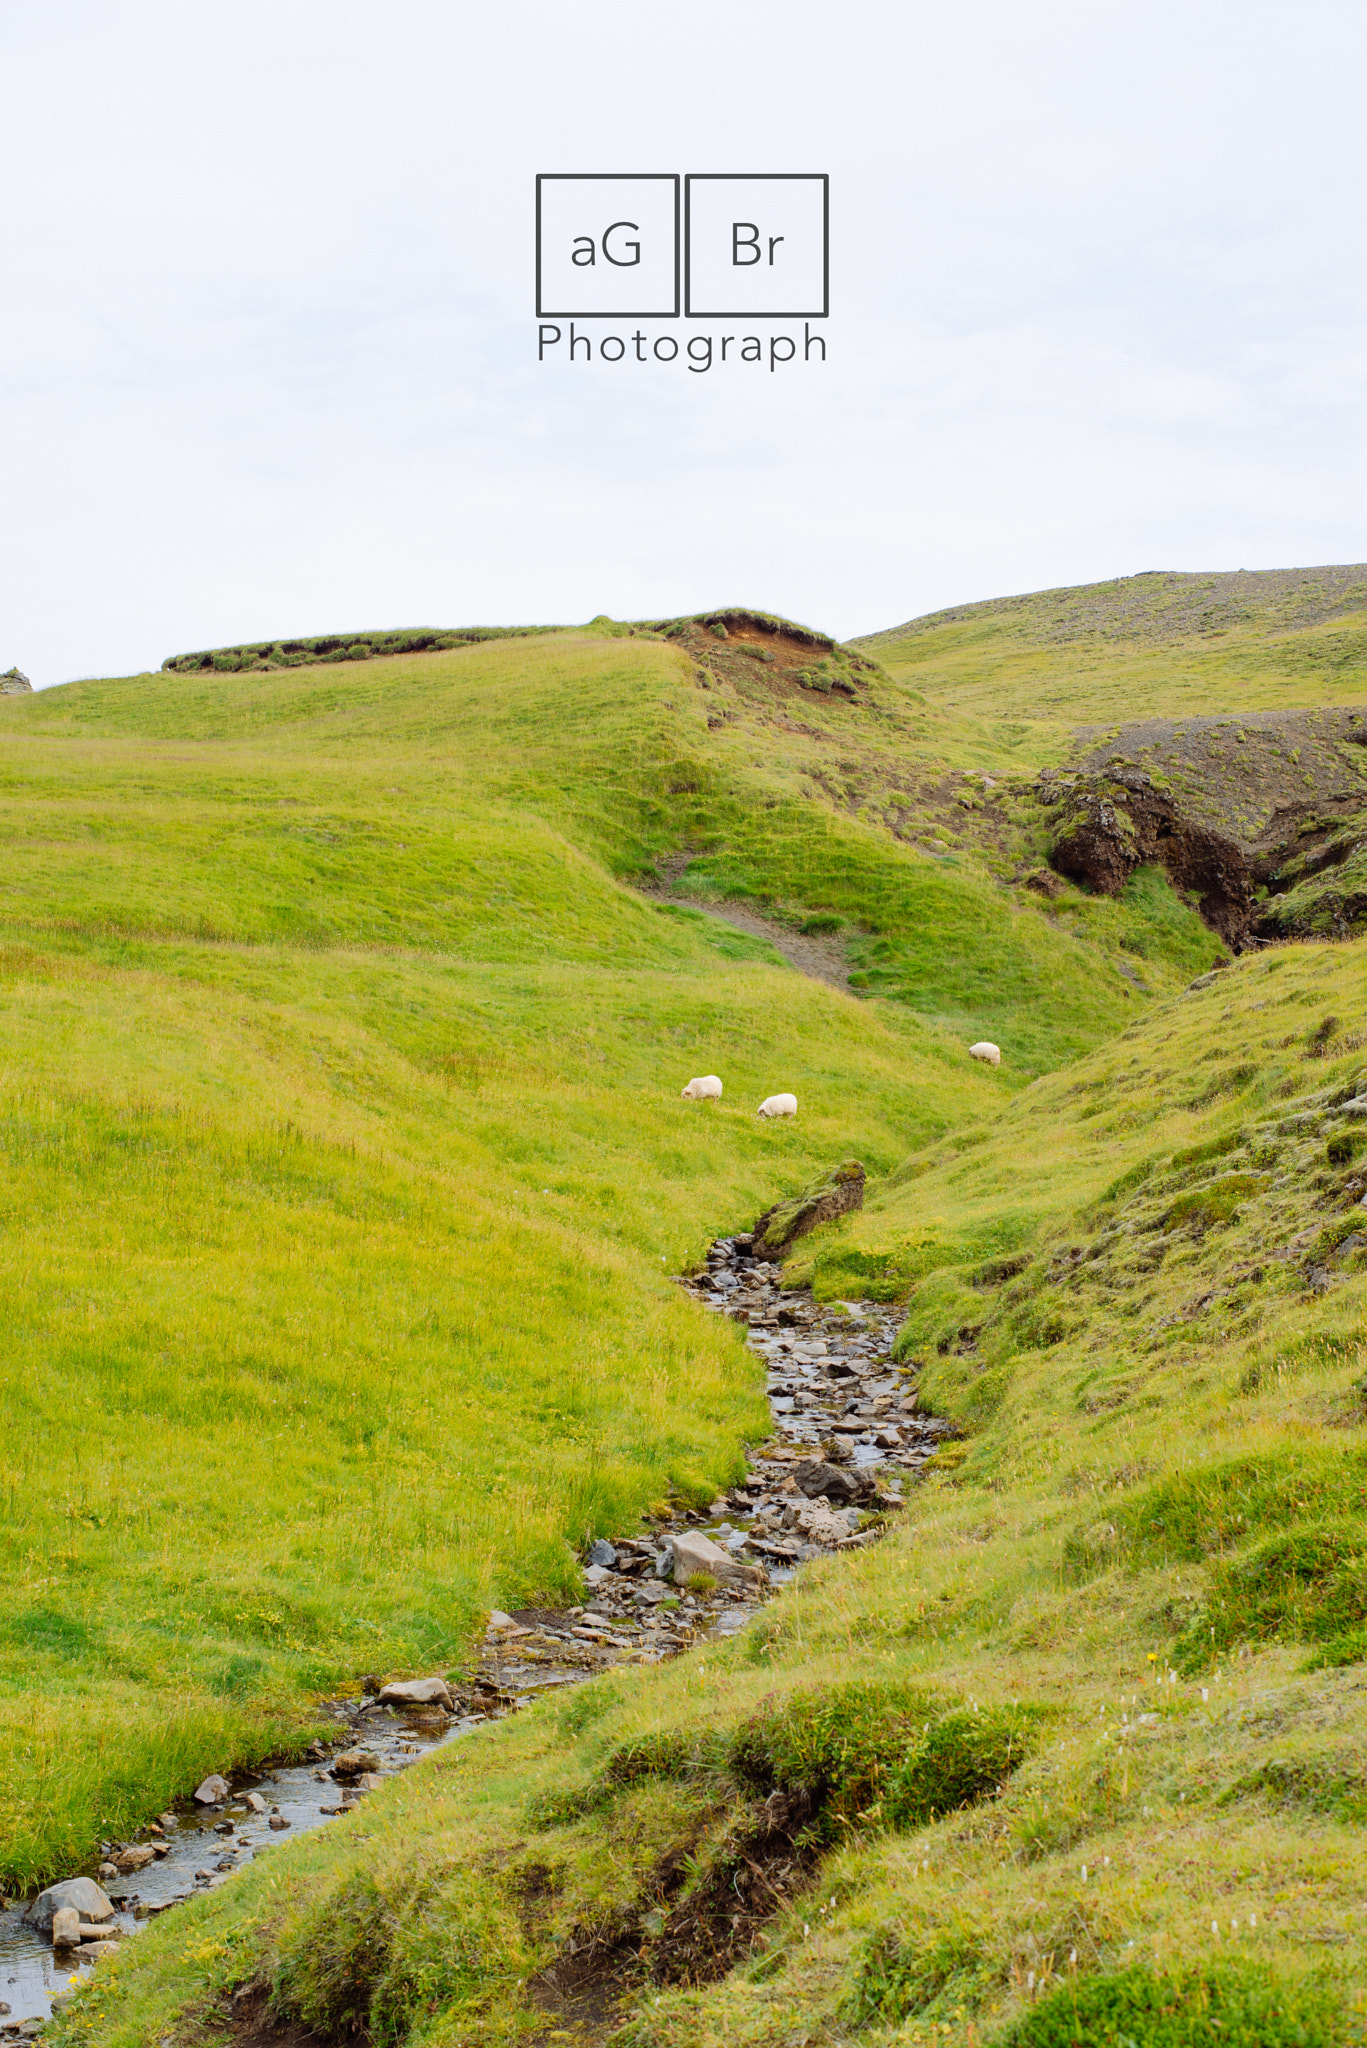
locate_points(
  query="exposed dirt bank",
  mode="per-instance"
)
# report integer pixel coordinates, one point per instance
(1241, 812)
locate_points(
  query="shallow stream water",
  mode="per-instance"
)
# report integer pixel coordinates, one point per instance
(31, 1969)
(817, 1360)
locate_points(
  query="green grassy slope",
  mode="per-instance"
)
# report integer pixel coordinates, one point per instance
(1023, 673)
(1152, 1538)
(345, 1165)
(344, 1171)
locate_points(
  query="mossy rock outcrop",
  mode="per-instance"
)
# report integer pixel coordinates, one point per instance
(833, 1194)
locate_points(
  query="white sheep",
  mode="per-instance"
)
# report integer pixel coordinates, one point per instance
(778, 1105)
(705, 1087)
(985, 1050)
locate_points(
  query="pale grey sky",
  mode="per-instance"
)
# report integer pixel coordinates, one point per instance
(268, 341)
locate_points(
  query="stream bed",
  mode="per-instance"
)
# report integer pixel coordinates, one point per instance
(847, 1436)
(198, 1856)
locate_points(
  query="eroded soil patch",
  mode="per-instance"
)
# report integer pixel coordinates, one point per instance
(823, 958)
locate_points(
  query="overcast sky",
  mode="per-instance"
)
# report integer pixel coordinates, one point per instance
(268, 336)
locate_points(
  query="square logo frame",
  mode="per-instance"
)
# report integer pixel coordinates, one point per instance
(544, 312)
(821, 178)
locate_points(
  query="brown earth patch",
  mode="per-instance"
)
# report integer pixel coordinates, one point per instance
(583, 1990)
(750, 649)
(763, 1862)
(1233, 808)
(1113, 828)
(722, 1921)
(250, 2024)
(824, 958)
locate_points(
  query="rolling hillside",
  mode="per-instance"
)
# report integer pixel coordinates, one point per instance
(345, 1007)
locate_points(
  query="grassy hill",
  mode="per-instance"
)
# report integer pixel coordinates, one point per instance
(1028, 670)
(1137, 1588)
(347, 1165)
(342, 1046)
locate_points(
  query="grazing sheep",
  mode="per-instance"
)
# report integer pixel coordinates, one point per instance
(698, 1091)
(985, 1050)
(778, 1105)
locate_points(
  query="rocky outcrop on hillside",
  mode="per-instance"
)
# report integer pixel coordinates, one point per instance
(1261, 818)
(12, 682)
(830, 1195)
(1115, 823)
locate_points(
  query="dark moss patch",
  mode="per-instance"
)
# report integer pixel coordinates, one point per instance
(1306, 1584)
(927, 1976)
(1212, 2007)
(267, 654)
(966, 1757)
(1331, 1785)
(46, 1628)
(845, 1746)
(1214, 1204)
(1202, 1512)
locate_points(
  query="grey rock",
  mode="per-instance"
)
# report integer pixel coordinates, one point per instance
(13, 682)
(211, 1791)
(82, 1893)
(135, 1857)
(816, 1476)
(66, 1927)
(696, 1553)
(601, 1552)
(418, 1692)
(352, 1762)
(651, 1590)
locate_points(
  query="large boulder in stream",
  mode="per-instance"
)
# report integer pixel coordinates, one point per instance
(418, 1692)
(694, 1553)
(75, 1894)
(818, 1479)
(834, 1193)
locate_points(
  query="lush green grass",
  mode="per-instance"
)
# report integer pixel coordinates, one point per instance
(344, 1170)
(464, 801)
(1008, 679)
(330, 1304)
(1113, 1488)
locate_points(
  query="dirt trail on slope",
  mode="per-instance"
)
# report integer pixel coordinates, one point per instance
(824, 959)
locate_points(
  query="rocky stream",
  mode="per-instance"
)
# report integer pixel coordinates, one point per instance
(847, 1435)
